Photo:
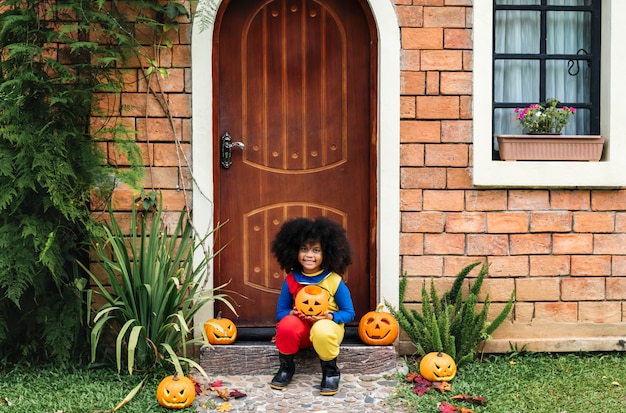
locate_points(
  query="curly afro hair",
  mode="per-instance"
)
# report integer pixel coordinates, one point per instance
(336, 250)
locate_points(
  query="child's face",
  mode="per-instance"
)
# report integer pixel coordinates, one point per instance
(310, 257)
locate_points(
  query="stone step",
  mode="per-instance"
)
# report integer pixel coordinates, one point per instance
(261, 358)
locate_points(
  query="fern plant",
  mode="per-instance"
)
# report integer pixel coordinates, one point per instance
(450, 323)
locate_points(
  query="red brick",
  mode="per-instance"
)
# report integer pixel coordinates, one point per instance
(456, 131)
(465, 222)
(159, 129)
(173, 82)
(507, 222)
(572, 244)
(594, 221)
(441, 60)
(616, 288)
(498, 289)
(117, 156)
(582, 289)
(410, 60)
(422, 221)
(423, 178)
(407, 106)
(452, 265)
(570, 199)
(410, 199)
(507, 266)
(465, 102)
(486, 200)
(608, 200)
(459, 178)
(432, 83)
(411, 244)
(604, 312)
(620, 222)
(444, 16)
(443, 200)
(167, 154)
(609, 244)
(456, 83)
(423, 265)
(181, 56)
(167, 178)
(537, 289)
(618, 266)
(141, 104)
(457, 39)
(549, 265)
(179, 105)
(551, 221)
(409, 16)
(412, 83)
(526, 244)
(591, 265)
(486, 244)
(453, 244)
(447, 155)
(524, 312)
(412, 131)
(411, 154)
(422, 38)
(556, 312)
(529, 199)
(437, 107)
(174, 200)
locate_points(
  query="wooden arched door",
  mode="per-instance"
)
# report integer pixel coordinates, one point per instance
(295, 85)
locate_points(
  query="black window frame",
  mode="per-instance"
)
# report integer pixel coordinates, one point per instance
(592, 58)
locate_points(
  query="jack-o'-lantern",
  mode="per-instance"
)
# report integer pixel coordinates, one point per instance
(312, 300)
(220, 330)
(378, 328)
(176, 392)
(437, 366)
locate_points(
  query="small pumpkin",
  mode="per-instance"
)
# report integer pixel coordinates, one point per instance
(176, 392)
(220, 330)
(378, 327)
(437, 366)
(312, 300)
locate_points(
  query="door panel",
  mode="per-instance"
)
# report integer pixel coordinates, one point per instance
(294, 85)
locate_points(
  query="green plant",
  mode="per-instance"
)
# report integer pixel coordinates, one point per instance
(449, 323)
(155, 289)
(544, 118)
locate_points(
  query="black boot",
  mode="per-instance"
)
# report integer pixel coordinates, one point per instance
(285, 372)
(330, 378)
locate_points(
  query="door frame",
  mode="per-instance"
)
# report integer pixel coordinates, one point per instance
(388, 146)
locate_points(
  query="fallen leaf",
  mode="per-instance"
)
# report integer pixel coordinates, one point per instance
(222, 392)
(236, 394)
(446, 407)
(421, 386)
(216, 383)
(442, 386)
(410, 377)
(470, 399)
(224, 407)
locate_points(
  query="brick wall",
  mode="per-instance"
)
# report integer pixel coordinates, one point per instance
(561, 250)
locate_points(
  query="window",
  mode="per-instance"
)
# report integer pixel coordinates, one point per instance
(528, 50)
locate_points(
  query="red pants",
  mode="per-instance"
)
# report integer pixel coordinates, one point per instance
(325, 336)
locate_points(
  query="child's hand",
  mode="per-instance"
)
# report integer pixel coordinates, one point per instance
(300, 314)
(325, 316)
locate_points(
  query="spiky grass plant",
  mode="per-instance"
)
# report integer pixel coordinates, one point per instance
(450, 323)
(154, 290)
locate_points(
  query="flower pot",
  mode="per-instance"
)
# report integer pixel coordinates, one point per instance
(550, 147)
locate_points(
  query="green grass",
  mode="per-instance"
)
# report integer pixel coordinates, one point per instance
(550, 383)
(76, 390)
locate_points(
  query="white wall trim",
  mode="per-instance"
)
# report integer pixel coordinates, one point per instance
(388, 172)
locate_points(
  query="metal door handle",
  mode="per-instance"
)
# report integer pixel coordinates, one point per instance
(226, 149)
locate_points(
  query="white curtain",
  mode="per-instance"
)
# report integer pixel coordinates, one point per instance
(518, 80)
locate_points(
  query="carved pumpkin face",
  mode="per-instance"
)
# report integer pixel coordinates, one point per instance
(437, 367)
(176, 392)
(220, 330)
(312, 300)
(378, 328)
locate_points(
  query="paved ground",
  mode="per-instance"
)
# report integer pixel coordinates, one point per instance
(357, 394)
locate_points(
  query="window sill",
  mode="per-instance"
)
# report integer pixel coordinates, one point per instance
(550, 147)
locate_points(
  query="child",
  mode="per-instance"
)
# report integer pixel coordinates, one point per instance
(313, 252)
